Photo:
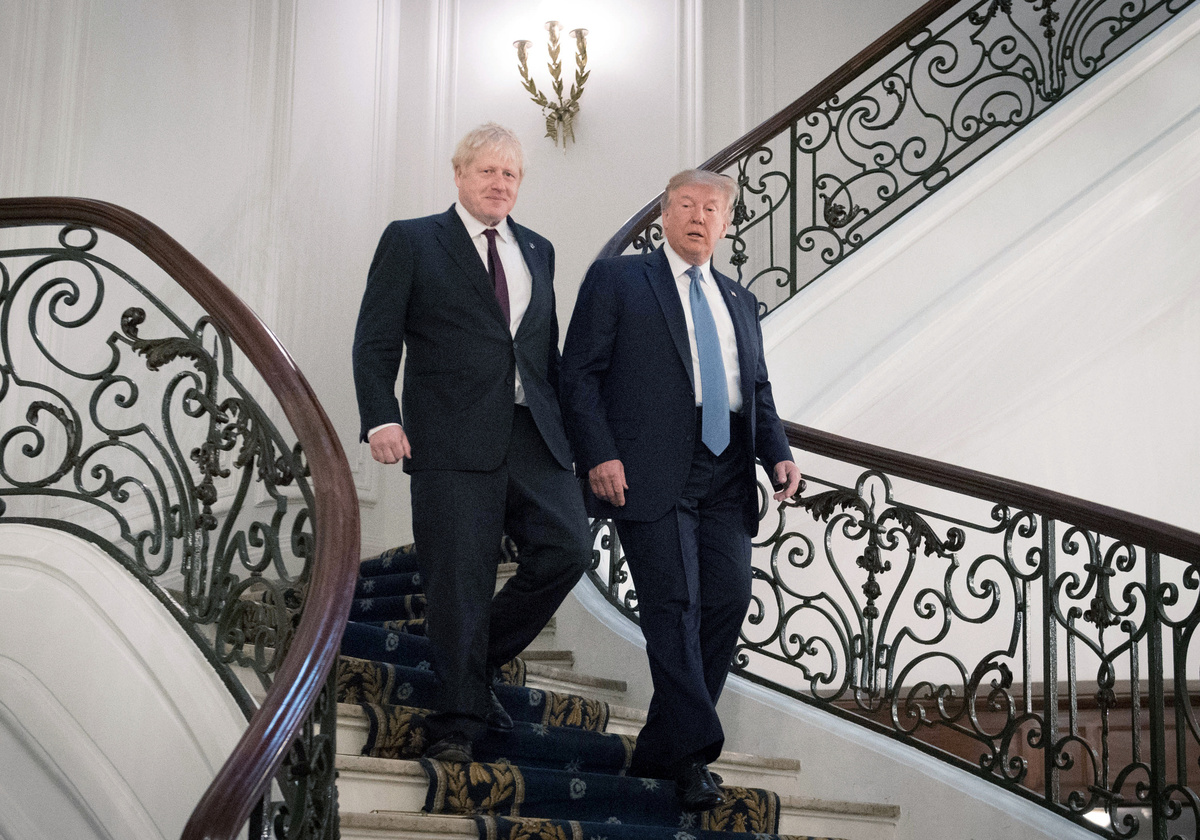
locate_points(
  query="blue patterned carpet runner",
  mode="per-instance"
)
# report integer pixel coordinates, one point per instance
(557, 776)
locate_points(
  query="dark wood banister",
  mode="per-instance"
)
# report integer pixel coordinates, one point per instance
(248, 772)
(1138, 530)
(835, 81)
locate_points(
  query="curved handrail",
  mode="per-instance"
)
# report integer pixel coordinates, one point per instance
(1140, 530)
(830, 85)
(244, 778)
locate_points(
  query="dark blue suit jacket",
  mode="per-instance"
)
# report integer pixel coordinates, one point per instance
(628, 390)
(428, 291)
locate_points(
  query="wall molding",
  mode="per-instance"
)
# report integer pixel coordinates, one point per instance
(443, 104)
(40, 154)
(689, 53)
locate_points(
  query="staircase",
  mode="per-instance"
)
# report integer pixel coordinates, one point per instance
(391, 797)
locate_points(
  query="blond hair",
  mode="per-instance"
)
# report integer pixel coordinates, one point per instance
(723, 183)
(489, 137)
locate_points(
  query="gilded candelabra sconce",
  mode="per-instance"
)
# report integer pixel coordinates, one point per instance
(559, 112)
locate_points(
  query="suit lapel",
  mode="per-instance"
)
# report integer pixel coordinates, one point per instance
(540, 292)
(743, 329)
(658, 274)
(454, 239)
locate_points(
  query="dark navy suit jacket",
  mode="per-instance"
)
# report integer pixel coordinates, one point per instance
(628, 390)
(429, 291)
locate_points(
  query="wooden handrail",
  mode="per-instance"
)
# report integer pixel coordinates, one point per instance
(1138, 530)
(830, 85)
(248, 772)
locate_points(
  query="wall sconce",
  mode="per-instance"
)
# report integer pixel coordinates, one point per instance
(560, 115)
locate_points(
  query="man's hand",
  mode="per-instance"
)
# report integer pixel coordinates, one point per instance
(787, 478)
(389, 445)
(608, 481)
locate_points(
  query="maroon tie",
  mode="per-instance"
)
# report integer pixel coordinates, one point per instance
(496, 272)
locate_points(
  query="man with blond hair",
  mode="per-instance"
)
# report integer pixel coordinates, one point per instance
(469, 293)
(667, 403)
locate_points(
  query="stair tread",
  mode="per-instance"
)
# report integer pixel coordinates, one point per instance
(354, 715)
(552, 672)
(878, 810)
(408, 767)
(371, 764)
(411, 824)
(548, 655)
(402, 769)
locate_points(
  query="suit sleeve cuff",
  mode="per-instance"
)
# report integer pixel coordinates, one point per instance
(375, 429)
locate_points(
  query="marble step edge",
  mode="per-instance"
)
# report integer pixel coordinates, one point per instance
(386, 826)
(565, 680)
(389, 826)
(386, 789)
(549, 656)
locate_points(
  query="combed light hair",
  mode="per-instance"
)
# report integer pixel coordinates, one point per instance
(726, 185)
(489, 137)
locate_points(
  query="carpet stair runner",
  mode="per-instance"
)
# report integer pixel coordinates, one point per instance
(559, 775)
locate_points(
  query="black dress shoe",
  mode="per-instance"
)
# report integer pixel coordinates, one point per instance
(498, 718)
(695, 787)
(455, 747)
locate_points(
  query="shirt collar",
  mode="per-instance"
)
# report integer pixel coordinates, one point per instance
(679, 265)
(475, 227)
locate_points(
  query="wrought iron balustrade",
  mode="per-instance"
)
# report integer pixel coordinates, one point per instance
(895, 124)
(1043, 643)
(153, 434)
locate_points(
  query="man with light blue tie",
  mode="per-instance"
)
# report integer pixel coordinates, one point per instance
(667, 404)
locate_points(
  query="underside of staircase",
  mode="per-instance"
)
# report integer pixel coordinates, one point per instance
(560, 774)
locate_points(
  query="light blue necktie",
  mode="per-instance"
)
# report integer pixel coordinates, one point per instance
(714, 412)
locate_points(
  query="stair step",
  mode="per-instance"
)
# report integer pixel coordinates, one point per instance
(550, 656)
(503, 572)
(778, 774)
(625, 720)
(545, 637)
(391, 790)
(367, 784)
(833, 818)
(553, 678)
(389, 826)
(352, 727)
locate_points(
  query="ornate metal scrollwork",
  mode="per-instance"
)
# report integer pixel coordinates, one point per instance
(841, 172)
(127, 427)
(938, 629)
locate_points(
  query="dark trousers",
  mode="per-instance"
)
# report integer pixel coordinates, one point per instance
(458, 520)
(691, 570)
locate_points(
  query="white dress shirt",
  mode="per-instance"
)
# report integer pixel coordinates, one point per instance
(516, 273)
(724, 322)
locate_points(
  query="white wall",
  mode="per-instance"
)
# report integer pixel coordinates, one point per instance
(86, 652)
(276, 139)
